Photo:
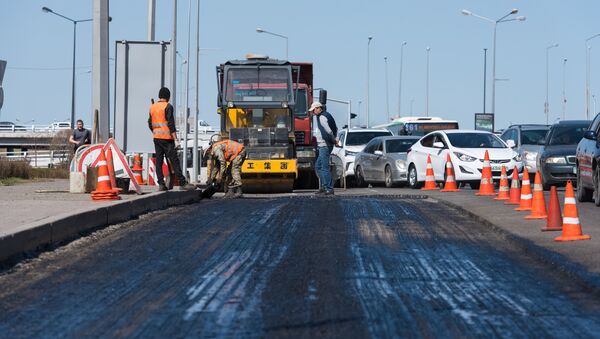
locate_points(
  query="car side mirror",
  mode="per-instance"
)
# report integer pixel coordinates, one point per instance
(438, 144)
(378, 152)
(511, 143)
(591, 135)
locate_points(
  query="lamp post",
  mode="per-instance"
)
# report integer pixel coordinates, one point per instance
(387, 93)
(587, 74)
(75, 22)
(546, 104)
(260, 30)
(427, 85)
(359, 103)
(564, 92)
(495, 23)
(400, 82)
(368, 75)
(484, 76)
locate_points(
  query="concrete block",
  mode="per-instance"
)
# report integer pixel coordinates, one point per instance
(29, 239)
(72, 226)
(119, 212)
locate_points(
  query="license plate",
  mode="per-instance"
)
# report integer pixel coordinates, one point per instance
(496, 168)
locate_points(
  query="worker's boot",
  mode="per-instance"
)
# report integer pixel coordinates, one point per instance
(162, 187)
(230, 193)
(237, 192)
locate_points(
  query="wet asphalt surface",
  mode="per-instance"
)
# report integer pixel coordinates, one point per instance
(346, 267)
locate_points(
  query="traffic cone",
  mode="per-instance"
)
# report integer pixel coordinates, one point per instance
(152, 171)
(554, 221)
(429, 177)
(450, 184)
(515, 189)
(111, 168)
(104, 190)
(486, 186)
(571, 227)
(138, 169)
(503, 188)
(525, 203)
(538, 205)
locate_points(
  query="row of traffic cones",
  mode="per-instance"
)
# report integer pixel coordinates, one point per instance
(521, 195)
(105, 189)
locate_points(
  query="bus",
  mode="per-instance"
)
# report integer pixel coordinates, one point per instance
(418, 126)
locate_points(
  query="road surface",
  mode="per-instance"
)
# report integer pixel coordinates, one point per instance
(295, 266)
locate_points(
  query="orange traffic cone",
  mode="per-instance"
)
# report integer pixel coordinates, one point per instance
(538, 205)
(429, 177)
(515, 189)
(138, 169)
(486, 187)
(104, 190)
(111, 168)
(450, 185)
(571, 227)
(503, 188)
(554, 221)
(525, 203)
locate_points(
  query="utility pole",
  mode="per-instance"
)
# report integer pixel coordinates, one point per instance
(400, 82)
(387, 92)
(100, 67)
(427, 85)
(564, 92)
(151, 19)
(195, 160)
(484, 76)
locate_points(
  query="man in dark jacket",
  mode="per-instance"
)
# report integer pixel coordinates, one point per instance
(325, 133)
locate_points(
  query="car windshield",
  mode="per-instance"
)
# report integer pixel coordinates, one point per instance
(362, 138)
(399, 145)
(533, 136)
(567, 135)
(475, 140)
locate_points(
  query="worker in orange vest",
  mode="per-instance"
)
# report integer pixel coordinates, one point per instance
(162, 124)
(224, 151)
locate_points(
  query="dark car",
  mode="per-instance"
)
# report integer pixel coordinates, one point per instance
(588, 159)
(528, 140)
(556, 160)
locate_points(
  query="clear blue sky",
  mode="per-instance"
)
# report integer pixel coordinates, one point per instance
(332, 35)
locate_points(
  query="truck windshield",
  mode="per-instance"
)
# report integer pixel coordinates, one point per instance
(258, 84)
(301, 109)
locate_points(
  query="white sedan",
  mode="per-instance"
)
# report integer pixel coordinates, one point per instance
(467, 150)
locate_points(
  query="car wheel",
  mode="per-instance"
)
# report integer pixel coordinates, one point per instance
(360, 178)
(389, 183)
(413, 180)
(597, 187)
(583, 194)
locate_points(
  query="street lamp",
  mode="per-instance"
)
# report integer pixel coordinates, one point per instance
(387, 94)
(48, 10)
(427, 85)
(587, 75)
(546, 104)
(260, 30)
(564, 92)
(368, 75)
(495, 22)
(400, 82)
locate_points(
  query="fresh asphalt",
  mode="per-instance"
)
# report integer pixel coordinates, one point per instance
(345, 266)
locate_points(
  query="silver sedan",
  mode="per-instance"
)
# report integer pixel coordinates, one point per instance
(383, 160)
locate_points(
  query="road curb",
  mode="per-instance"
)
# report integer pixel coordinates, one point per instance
(54, 231)
(565, 265)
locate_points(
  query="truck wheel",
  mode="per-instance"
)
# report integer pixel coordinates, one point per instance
(413, 180)
(583, 194)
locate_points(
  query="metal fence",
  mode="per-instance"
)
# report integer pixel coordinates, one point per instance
(31, 128)
(39, 158)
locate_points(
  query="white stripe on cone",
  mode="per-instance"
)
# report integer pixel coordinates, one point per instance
(525, 182)
(101, 163)
(450, 178)
(537, 187)
(570, 201)
(103, 178)
(573, 221)
(526, 196)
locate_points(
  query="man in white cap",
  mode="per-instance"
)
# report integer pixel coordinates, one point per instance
(325, 133)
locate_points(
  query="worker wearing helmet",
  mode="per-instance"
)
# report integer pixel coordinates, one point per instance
(224, 151)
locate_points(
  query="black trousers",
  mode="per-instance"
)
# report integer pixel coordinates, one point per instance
(166, 148)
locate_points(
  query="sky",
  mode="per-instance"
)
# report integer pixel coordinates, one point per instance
(333, 35)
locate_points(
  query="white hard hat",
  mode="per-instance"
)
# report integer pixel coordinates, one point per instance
(315, 105)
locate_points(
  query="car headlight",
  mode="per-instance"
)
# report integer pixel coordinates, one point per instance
(556, 160)
(464, 157)
(530, 156)
(517, 157)
(401, 164)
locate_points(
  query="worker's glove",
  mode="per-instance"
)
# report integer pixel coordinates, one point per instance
(177, 144)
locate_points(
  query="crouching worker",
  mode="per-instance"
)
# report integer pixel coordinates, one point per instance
(223, 152)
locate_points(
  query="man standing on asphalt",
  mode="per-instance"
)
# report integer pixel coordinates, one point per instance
(224, 151)
(325, 133)
(162, 124)
(80, 136)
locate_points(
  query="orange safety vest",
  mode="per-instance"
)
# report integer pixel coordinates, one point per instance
(232, 149)
(160, 128)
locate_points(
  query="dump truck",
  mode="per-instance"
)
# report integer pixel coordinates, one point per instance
(261, 101)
